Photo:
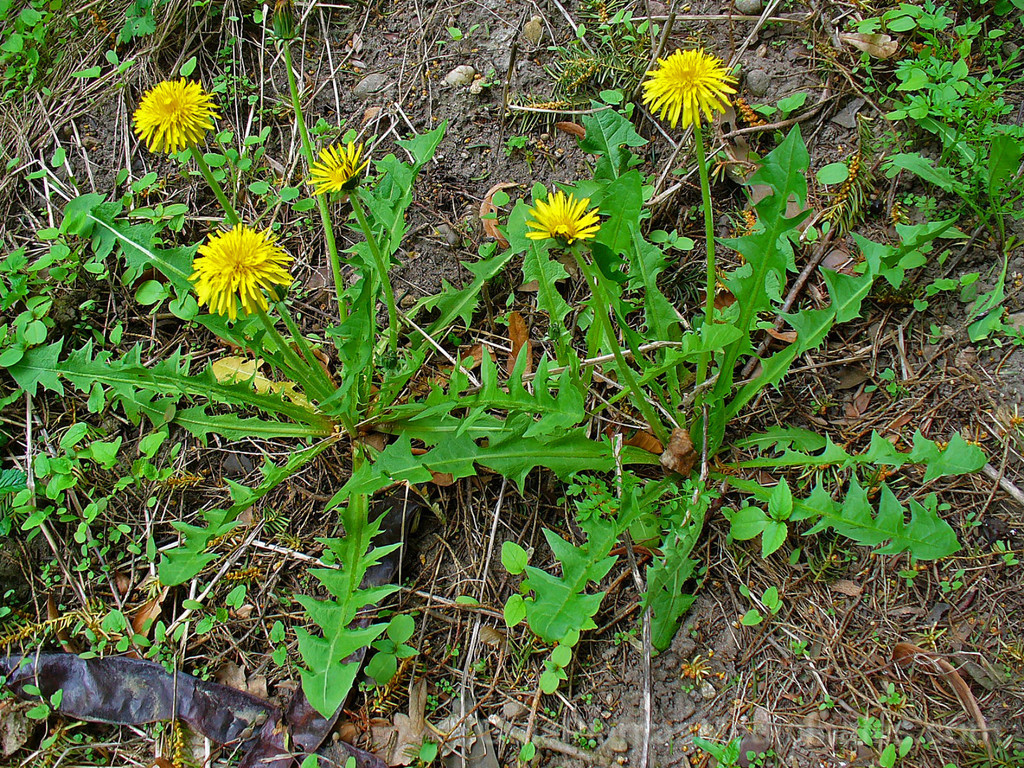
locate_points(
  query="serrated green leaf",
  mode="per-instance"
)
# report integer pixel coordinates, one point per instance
(39, 367)
(847, 292)
(773, 537)
(607, 132)
(957, 458)
(559, 609)
(925, 536)
(667, 577)
(547, 272)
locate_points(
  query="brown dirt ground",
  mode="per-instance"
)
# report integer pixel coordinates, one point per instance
(796, 686)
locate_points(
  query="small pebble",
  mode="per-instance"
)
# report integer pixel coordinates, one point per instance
(513, 710)
(460, 76)
(748, 7)
(757, 80)
(371, 85)
(533, 30)
(616, 743)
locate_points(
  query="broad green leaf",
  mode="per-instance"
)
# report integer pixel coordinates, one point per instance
(833, 173)
(607, 132)
(1003, 161)
(515, 611)
(514, 558)
(847, 292)
(773, 537)
(748, 523)
(913, 162)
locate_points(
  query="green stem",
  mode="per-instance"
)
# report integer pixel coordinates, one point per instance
(601, 306)
(709, 239)
(382, 270)
(218, 191)
(299, 369)
(321, 202)
(304, 348)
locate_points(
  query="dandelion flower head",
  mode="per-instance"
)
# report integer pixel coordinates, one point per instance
(337, 169)
(686, 84)
(563, 218)
(239, 264)
(174, 115)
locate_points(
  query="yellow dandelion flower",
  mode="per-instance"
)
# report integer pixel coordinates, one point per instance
(174, 115)
(686, 84)
(338, 169)
(563, 218)
(239, 264)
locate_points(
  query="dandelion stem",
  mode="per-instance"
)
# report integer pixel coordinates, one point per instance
(601, 305)
(321, 201)
(300, 370)
(304, 348)
(382, 269)
(218, 191)
(709, 240)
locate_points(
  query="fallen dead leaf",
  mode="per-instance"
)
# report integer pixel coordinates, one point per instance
(519, 335)
(851, 376)
(487, 207)
(878, 45)
(848, 588)
(370, 114)
(679, 456)
(148, 613)
(15, 726)
(376, 440)
(724, 299)
(409, 728)
(231, 675)
(645, 441)
(787, 336)
(491, 636)
(573, 129)
(907, 654)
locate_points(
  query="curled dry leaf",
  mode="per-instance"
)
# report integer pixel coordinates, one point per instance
(877, 45)
(907, 655)
(487, 207)
(680, 455)
(724, 299)
(148, 613)
(787, 336)
(645, 440)
(573, 129)
(519, 335)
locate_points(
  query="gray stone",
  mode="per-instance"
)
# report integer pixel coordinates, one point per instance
(460, 76)
(533, 30)
(847, 116)
(371, 85)
(757, 81)
(616, 743)
(748, 7)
